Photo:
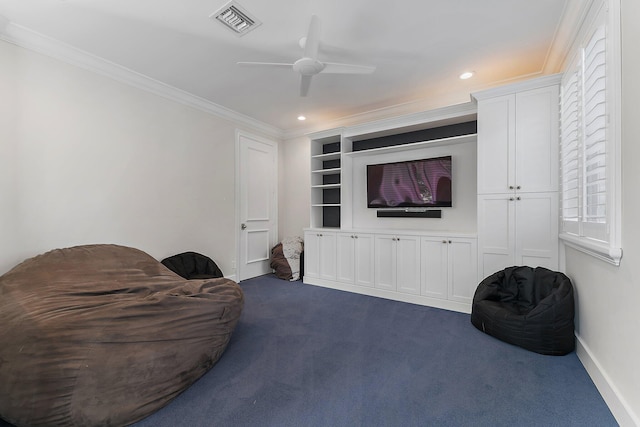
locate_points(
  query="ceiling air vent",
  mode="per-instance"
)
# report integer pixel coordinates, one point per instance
(235, 17)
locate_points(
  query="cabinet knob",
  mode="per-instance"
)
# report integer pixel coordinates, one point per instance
(511, 198)
(356, 236)
(444, 241)
(511, 187)
(449, 241)
(518, 187)
(518, 198)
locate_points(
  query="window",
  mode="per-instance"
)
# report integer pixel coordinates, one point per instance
(589, 143)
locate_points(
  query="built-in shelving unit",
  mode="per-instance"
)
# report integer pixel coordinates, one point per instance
(386, 260)
(326, 179)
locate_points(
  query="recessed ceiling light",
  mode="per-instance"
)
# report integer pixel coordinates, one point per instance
(466, 75)
(301, 118)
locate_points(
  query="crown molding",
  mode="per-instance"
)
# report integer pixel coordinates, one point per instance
(29, 39)
(536, 83)
(573, 16)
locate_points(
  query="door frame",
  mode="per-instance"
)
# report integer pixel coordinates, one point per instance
(238, 220)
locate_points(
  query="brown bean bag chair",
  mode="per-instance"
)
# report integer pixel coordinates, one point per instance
(105, 335)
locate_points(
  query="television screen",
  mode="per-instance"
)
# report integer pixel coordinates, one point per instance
(415, 183)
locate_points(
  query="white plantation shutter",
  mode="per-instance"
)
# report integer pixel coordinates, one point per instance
(570, 149)
(583, 141)
(595, 135)
(589, 138)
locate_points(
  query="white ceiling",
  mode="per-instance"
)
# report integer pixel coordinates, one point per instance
(418, 46)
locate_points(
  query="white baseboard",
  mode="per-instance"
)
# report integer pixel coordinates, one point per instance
(460, 307)
(617, 404)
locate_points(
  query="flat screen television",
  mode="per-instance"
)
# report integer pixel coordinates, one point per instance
(421, 183)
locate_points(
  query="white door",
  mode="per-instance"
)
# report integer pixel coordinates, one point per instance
(463, 273)
(496, 233)
(408, 264)
(537, 230)
(257, 215)
(311, 254)
(537, 140)
(328, 257)
(434, 267)
(346, 257)
(364, 260)
(385, 265)
(496, 144)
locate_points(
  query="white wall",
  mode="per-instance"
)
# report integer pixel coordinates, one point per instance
(85, 159)
(608, 297)
(294, 193)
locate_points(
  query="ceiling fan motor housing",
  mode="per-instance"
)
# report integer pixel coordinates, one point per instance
(308, 66)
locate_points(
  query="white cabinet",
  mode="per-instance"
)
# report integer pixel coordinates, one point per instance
(397, 263)
(517, 230)
(518, 142)
(438, 271)
(355, 258)
(449, 268)
(320, 255)
(518, 176)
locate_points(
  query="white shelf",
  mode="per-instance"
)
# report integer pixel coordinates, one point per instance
(331, 171)
(328, 156)
(325, 186)
(324, 205)
(403, 147)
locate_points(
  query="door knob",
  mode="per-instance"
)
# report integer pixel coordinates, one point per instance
(243, 226)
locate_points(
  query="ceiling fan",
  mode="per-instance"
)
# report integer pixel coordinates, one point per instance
(309, 65)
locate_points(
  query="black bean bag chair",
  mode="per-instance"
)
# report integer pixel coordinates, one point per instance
(192, 265)
(104, 335)
(529, 307)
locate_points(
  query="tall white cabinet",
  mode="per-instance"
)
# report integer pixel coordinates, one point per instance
(518, 175)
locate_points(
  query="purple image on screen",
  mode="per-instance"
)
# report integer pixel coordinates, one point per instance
(418, 183)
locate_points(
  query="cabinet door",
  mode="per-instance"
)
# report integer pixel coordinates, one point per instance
(463, 271)
(537, 230)
(311, 254)
(345, 257)
(328, 256)
(496, 141)
(434, 267)
(385, 265)
(537, 132)
(364, 259)
(496, 233)
(408, 264)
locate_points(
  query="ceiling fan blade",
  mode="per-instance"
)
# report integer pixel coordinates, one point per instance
(335, 68)
(305, 82)
(265, 64)
(312, 41)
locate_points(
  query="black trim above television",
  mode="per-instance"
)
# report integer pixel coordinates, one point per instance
(449, 131)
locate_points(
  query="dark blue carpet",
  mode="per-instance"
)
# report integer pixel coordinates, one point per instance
(308, 356)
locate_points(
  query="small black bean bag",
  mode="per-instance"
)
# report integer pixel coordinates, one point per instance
(192, 265)
(529, 307)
